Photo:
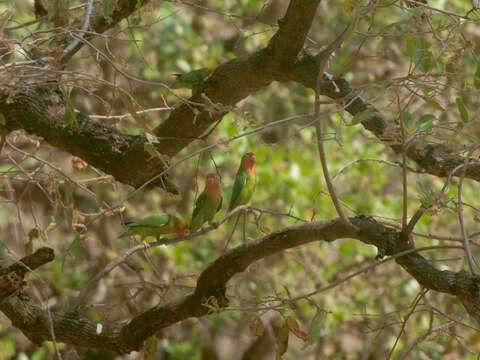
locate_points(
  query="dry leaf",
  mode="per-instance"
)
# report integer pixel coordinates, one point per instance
(78, 164)
(295, 329)
(282, 341)
(256, 326)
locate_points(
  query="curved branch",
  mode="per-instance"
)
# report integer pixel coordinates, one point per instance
(99, 24)
(238, 78)
(435, 159)
(11, 278)
(40, 111)
(124, 337)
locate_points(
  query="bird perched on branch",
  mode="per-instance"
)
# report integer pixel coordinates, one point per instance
(208, 203)
(191, 80)
(156, 225)
(245, 180)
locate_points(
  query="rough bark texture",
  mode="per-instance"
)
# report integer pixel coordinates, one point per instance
(127, 336)
(282, 60)
(39, 110)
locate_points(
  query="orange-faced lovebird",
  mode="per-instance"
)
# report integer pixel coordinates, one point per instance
(156, 225)
(208, 203)
(245, 179)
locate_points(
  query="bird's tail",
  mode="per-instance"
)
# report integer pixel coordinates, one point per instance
(233, 220)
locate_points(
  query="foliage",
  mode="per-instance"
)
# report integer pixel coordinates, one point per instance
(418, 66)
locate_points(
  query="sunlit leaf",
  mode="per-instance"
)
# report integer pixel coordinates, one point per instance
(359, 117)
(462, 109)
(425, 122)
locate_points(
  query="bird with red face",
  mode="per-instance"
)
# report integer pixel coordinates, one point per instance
(245, 181)
(157, 225)
(208, 203)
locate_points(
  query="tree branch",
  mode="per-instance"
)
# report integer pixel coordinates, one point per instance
(40, 111)
(435, 159)
(124, 337)
(238, 78)
(11, 278)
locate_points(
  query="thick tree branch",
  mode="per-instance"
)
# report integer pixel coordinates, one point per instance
(238, 78)
(124, 337)
(11, 278)
(282, 60)
(40, 111)
(435, 159)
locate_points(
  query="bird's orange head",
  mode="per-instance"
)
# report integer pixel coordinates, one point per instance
(212, 184)
(248, 162)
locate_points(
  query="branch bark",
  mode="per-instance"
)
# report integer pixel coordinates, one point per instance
(11, 278)
(124, 337)
(41, 110)
(282, 60)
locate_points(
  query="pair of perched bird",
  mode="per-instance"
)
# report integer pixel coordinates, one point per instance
(207, 205)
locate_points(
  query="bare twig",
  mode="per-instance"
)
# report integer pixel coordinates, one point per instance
(86, 24)
(466, 244)
(404, 322)
(318, 126)
(119, 260)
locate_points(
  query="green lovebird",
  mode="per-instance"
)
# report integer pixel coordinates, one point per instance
(156, 225)
(190, 80)
(208, 203)
(245, 179)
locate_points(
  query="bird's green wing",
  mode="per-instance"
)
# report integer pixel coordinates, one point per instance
(152, 221)
(219, 204)
(238, 186)
(190, 79)
(199, 205)
(198, 212)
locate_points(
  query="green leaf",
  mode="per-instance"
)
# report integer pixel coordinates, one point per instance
(151, 149)
(407, 117)
(152, 139)
(433, 103)
(359, 117)
(317, 326)
(69, 117)
(410, 44)
(351, 27)
(462, 110)
(425, 122)
(108, 7)
(476, 219)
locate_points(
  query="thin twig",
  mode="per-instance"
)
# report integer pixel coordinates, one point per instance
(86, 24)
(404, 322)
(119, 260)
(404, 172)
(460, 211)
(318, 126)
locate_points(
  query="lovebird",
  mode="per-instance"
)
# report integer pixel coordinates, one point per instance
(156, 225)
(208, 203)
(245, 179)
(190, 80)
